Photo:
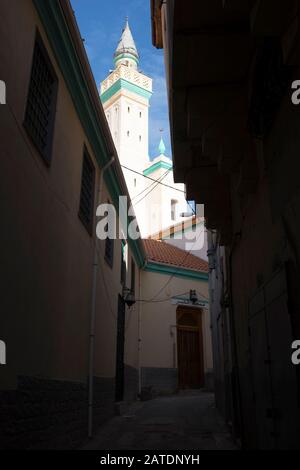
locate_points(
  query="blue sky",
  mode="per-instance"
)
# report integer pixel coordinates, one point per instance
(101, 24)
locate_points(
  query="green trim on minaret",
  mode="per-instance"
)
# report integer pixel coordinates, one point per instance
(126, 56)
(162, 147)
(121, 83)
(157, 166)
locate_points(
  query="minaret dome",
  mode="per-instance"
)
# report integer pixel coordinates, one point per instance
(126, 52)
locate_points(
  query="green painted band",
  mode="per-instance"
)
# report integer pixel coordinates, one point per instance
(126, 56)
(157, 166)
(175, 271)
(124, 84)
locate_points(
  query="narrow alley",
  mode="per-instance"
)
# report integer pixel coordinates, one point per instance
(150, 208)
(189, 420)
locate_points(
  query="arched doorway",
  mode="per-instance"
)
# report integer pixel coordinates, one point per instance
(189, 347)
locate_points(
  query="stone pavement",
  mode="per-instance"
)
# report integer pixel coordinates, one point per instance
(188, 420)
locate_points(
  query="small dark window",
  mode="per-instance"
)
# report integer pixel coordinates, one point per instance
(132, 277)
(41, 101)
(140, 138)
(173, 209)
(109, 251)
(127, 133)
(123, 263)
(86, 206)
(140, 114)
(128, 109)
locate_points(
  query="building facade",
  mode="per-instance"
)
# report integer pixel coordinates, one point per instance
(178, 323)
(73, 339)
(69, 353)
(160, 205)
(235, 146)
(125, 95)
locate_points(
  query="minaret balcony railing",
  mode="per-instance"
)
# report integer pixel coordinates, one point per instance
(128, 74)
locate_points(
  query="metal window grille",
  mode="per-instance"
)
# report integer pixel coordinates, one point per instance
(41, 101)
(87, 191)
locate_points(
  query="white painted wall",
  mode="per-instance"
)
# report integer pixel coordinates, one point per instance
(158, 202)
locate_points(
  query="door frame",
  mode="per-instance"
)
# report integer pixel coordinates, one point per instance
(198, 314)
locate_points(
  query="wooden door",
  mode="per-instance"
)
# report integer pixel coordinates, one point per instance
(189, 348)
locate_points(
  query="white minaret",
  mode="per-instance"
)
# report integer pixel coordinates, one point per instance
(125, 96)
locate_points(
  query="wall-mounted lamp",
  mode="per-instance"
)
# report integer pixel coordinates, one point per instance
(128, 296)
(193, 296)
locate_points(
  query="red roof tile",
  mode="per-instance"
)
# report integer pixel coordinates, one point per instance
(162, 252)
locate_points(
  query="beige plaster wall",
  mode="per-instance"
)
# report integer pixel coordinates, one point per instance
(158, 346)
(46, 265)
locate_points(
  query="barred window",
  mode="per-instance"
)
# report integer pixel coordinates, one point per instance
(41, 101)
(86, 206)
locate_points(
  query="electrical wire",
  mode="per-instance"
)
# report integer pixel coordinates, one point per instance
(162, 300)
(171, 297)
(150, 185)
(172, 275)
(152, 179)
(145, 195)
(103, 277)
(159, 182)
(117, 285)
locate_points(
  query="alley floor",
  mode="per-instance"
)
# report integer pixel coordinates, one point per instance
(188, 420)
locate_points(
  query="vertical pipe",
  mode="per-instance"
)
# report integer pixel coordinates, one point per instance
(139, 335)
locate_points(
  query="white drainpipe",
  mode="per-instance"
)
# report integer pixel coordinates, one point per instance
(140, 333)
(93, 311)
